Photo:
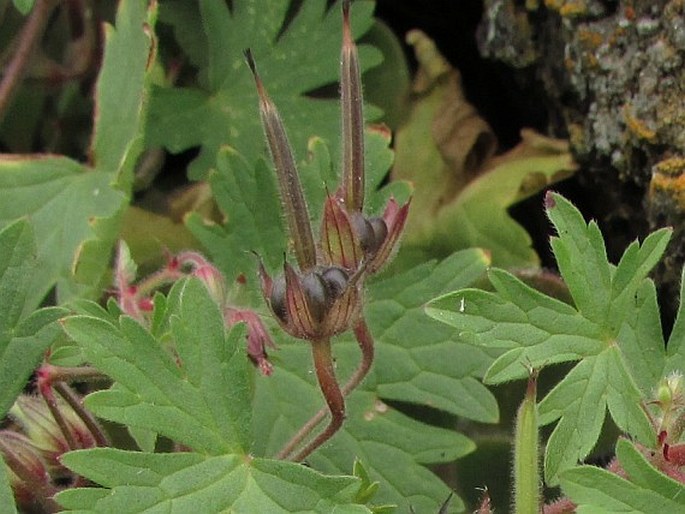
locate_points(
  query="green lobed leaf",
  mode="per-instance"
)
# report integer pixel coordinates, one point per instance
(199, 398)
(121, 91)
(293, 60)
(75, 208)
(182, 482)
(614, 331)
(644, 489)
(417, 361)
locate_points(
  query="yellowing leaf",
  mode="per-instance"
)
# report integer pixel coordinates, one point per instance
(462, 192)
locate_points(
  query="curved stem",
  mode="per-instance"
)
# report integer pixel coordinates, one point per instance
(88, 419)
(323, 362)
(27, 41)
(366, 344)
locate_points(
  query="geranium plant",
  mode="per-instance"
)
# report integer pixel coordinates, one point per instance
(267, 354)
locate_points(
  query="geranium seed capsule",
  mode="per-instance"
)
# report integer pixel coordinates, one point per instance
(380, 232)
(277, 298)
(316, 295)
(363, 229)
(335, 280)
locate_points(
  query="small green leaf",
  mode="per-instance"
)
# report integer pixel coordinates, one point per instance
(201, 401)
(645, 489)
(121, 90)
(676, 342)
(183, 482)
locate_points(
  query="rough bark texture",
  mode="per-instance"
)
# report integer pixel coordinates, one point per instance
(614, 77)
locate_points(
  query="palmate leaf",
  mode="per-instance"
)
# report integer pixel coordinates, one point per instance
(202, 401)
(75, 208)
(644, 489)
(613, 331)
(6, 496)
(417, 361)
(183, 482)
(293, 61)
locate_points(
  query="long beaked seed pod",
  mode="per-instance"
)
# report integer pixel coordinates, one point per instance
(352, 119)
(292, 197)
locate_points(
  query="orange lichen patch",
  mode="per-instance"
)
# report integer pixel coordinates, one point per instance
(576, 136)
(590, 38)
(570, 9)
(567, 8)
(590, 60)
(673, 166)
(629, 13)
(668, 178)
(638, 127)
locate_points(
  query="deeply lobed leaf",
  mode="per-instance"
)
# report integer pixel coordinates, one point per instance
(200, 398)
(644, 489)
(613, 330)
(180, 482)
(223, 109)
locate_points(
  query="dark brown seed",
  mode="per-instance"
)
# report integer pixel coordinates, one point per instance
(316, 294)
(277, 299)
(335, 280)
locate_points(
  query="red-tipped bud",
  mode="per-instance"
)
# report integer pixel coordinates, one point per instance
(27, 473)
(394, 219)
(258, 339)
(214, 281)
(32, 414)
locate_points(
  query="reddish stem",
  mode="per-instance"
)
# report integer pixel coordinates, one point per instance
(323, 362)
(366, 344)
(76, 403)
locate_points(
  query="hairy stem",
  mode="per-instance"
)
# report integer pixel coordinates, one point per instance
(323, 362)
(27, 39)
(292, 196)
(526, 467)
(366, 344)
(76, 403)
